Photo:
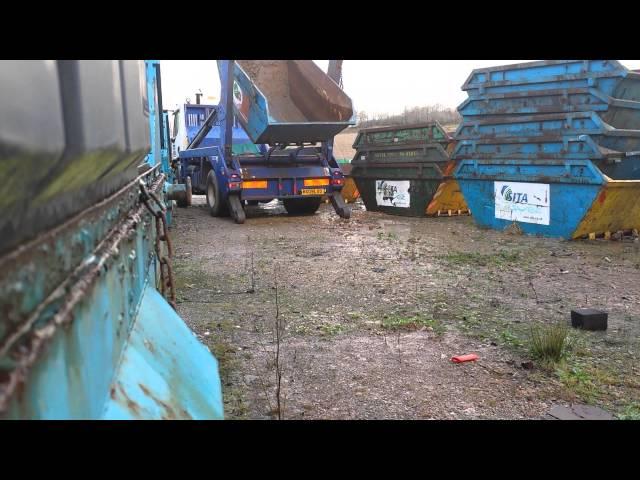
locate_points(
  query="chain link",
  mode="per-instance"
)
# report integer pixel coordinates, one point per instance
(162, 235)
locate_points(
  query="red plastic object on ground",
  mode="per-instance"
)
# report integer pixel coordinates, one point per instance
(471, 357)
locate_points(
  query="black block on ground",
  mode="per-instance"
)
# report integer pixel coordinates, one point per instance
(589, 319)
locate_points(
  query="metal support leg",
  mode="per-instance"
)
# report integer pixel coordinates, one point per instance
(236, 210)
(341, 208)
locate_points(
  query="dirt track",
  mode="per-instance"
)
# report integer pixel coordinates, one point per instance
(374, 307)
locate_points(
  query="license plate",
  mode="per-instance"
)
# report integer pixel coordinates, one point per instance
(313, 191)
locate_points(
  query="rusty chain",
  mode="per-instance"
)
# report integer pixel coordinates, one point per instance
(162, 235)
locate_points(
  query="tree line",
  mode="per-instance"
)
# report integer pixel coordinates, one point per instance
(429, 113)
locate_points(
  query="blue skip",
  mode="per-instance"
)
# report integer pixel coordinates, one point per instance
(552, 147)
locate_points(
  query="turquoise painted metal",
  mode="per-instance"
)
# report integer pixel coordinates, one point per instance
(572, 184)
(553, 147)
(608, 76)
(84, 332)
(616, 152)
(164, 372)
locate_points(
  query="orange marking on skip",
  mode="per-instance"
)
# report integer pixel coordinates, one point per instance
(602, 196)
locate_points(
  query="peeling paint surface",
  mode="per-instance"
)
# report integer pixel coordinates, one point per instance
(165, 372)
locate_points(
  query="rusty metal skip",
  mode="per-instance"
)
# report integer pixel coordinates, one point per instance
(89, 328)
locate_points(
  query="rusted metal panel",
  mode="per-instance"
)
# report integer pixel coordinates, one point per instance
(65, 147)
(605, 75)
(164, 372)
(414, 162)
(60, 356)
(74, 298)
(73, 346)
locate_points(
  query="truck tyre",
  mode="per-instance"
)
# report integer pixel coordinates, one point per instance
(213, 195)
(302, 206)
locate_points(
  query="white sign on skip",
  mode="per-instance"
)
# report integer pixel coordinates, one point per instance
(393, 193)
(522, 202)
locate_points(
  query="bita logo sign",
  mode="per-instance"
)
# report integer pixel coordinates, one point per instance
(511, 196)
(522, 202)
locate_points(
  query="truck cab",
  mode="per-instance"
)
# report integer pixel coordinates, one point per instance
(188, 120)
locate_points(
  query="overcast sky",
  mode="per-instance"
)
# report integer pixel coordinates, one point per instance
(375, 86)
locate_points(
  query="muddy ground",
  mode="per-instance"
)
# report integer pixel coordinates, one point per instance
(373, 308)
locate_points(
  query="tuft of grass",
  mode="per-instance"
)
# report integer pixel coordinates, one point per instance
(549, 342)
(225, 354)
(324, 329)
(630, 412)
(413, 323)
(390, 236)
(330, 329)
(509, 338)
(580, 381)
(301, 329)
(470, 322)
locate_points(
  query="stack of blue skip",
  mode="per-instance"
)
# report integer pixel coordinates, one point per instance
(552, 146)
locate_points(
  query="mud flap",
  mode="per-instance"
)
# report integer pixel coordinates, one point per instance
(341, 208)
(236, 209)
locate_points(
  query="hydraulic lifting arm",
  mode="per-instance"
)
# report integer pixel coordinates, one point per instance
(334, 71)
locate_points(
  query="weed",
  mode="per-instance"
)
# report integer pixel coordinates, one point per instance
(469, 322)
(548, 342)
(579, 345)
(630, 412)
(579, 381)
(509, 338)
(224, 353)
(413, 323)
(301, 329)
(330, 329)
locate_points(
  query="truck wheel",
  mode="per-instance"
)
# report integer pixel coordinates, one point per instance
(213, 195)
(302, 206)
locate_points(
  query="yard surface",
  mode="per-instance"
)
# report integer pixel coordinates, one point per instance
(373, 308)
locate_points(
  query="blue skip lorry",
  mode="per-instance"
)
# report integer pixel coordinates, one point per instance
(270, 137)
(88, 328)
